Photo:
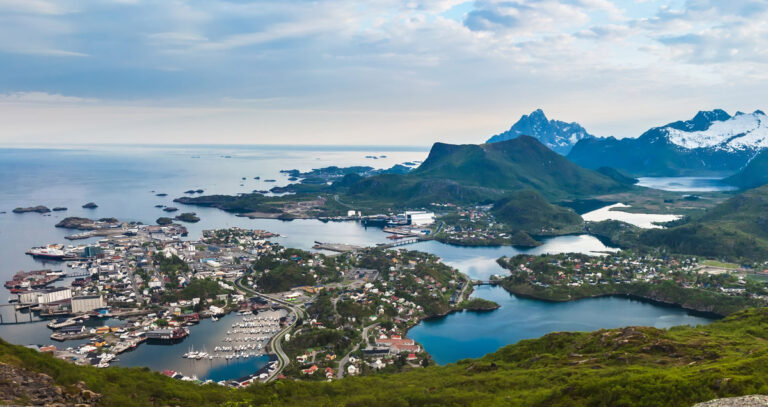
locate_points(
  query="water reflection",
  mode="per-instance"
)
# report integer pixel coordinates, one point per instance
(474, 334)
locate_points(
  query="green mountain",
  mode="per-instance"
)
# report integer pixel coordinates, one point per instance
(529, 212)
(520, 163)
(737, 228)
(474, 173)
(637, 366)
(617, 175)
(752, 175)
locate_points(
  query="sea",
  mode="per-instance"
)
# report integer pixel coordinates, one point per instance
(126, 182)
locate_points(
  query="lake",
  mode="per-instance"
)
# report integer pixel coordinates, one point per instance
(642, 220)
(685, 184)
(124, 183)
(470, 334)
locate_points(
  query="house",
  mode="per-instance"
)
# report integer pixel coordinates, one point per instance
(411, 357)
(329, 372)
(378, 364)
(311, 370)
(352, 370)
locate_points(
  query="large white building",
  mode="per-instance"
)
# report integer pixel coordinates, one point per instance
(46, 296)
(419, 218)
(87, 303)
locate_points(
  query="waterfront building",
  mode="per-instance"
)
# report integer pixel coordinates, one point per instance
(87, 303)
(419, 218)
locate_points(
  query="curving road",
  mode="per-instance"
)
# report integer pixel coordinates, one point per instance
(276, 342)
(345, 359)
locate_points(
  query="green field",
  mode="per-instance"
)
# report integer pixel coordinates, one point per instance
(720, 264)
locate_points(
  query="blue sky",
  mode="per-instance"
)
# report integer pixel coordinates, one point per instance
(373, 72)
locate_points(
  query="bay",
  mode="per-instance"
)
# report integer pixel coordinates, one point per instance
(124, 182)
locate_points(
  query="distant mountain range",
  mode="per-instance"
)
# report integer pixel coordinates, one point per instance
(713, 142)
(557, 135)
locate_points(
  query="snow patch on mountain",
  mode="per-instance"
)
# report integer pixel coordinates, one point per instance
(740, 132)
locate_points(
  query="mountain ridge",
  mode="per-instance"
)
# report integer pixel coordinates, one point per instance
(555, 134)
(711, 143)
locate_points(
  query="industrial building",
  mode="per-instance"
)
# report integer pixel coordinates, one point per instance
(419, 218)
(87, 303)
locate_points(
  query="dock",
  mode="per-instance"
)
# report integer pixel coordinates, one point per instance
(337, 247)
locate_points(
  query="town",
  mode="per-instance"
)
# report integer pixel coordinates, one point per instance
(696, 284)
(319, 315)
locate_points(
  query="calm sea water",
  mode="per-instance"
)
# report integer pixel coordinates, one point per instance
(124, 181)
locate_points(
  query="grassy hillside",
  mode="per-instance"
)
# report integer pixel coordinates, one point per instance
(529, 212)
(639, 366)
(736, 229)
(520, 163)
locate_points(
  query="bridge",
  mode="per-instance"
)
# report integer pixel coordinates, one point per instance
(402, 242)
(486, 282)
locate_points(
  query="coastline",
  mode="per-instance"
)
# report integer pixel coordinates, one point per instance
(651, 298)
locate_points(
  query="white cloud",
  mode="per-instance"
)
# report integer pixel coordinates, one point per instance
(31, 7)
(43, 98)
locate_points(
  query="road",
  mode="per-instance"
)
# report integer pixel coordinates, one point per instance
(276, 342)
(345, 359)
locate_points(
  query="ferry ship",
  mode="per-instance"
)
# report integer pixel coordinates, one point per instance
(51, 252)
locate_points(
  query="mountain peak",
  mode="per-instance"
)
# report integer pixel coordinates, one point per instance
(557, 135)
(538, 114)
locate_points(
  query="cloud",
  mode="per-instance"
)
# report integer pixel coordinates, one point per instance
(500, 58)
(31, 7)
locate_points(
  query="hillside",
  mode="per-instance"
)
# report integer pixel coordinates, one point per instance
(640, 366)
(736, 228)
(520, 163)
(712, 142)
(752, 175)
(555, 134)
(529, 212)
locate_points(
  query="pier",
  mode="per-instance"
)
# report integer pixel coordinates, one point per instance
(18, 317)
(336, 247)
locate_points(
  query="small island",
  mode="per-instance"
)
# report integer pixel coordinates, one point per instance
(188, 217)
(161, 194)
(90, 205)
(162, 221)
(59, 209)
(478, 304)
(38, 209)
(78, 223)
(171, 209)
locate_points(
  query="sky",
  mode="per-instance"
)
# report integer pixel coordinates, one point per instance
(374, 72)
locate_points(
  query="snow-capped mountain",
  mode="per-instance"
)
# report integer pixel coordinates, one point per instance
(742, 131)
(712, 143)
(555, 134)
